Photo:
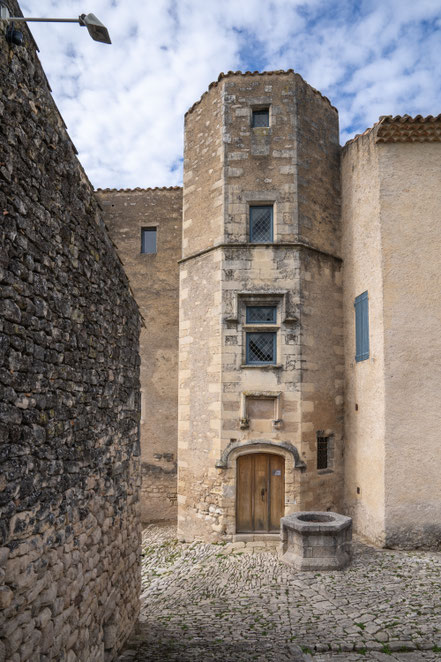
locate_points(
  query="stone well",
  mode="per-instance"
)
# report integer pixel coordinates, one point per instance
(316, 540)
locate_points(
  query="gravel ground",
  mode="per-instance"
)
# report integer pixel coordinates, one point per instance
(237, 603)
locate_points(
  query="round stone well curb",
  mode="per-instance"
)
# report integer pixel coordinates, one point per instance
(316, 540)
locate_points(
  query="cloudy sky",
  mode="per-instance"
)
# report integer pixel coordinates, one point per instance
(124, 104)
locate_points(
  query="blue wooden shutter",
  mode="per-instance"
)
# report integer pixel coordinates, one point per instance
(361, 305)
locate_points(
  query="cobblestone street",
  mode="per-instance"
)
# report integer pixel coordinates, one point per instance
(239, 603)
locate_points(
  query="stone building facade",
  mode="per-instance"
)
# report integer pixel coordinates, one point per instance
(69, 393)
(154, 278)
(392, 245)
(295, 252)
(232, 403)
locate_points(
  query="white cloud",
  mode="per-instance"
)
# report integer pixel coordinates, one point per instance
(124, 104)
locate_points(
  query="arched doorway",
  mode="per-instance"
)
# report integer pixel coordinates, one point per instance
(260, 492)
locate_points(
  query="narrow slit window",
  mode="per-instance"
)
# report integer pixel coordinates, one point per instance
(148, 240)
(322, 452)
(261, 224)
(260, 117)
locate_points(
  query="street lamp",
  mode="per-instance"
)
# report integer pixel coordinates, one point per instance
(96, 29)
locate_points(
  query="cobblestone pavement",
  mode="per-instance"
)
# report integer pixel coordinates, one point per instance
(236, 603)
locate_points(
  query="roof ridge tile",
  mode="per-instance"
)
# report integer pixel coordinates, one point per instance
(403, 128)
(138, 188)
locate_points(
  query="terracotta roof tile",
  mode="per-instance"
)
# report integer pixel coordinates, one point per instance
(404, 129)
(278, 72)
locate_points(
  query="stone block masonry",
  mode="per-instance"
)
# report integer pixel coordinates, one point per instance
(155, 283)
(229, 405)
(69, 387)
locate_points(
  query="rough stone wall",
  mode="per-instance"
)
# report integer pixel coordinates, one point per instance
(260, 163)
(364, 393)
(154, 279)
(199, 395)
(203, 180)
(261, 166)
(318, 159)
(322, 379)
(69, 385)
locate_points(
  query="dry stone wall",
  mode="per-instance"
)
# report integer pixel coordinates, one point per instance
(69, 387)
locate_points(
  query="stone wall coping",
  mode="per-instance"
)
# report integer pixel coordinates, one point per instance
(295, 523)
(278, 72)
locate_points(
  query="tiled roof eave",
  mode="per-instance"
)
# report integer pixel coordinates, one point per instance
(403, 129)
(138, 189)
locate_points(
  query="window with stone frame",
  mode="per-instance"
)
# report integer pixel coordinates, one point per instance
(148, 240)
(260, 118)
(260, 341)
(261, 230)
(261, 348)
(325, 451)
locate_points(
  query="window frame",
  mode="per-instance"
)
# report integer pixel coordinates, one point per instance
(361, 306)
(251, 207)
(149, 230)
(252, 328)
(322, 436)
(258, 112)
(273, 321)
(248, 338)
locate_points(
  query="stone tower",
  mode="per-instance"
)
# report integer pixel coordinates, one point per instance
(261, 346)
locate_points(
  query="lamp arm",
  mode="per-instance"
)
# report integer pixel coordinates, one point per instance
(24, 19)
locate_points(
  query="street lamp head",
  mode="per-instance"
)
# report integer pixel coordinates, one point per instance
(96, 29)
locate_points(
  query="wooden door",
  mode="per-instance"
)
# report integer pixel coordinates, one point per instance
(260, 497)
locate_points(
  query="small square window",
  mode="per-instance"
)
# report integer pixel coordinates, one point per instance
(148, 240)
(260, 348)
(261, 315)
(260, 117)
(261, 224)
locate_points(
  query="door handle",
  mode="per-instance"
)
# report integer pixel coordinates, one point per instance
(262, 492)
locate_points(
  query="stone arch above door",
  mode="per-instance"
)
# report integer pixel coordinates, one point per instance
(236, 448)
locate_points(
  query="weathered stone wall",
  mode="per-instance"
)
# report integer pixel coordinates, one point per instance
(293, 164)
(392, 242)
(364, 393)
(200, 391)
(154, 280)
(322, 379)
(410, 198)
(69, 385)
(318, 164)
(203, 177)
